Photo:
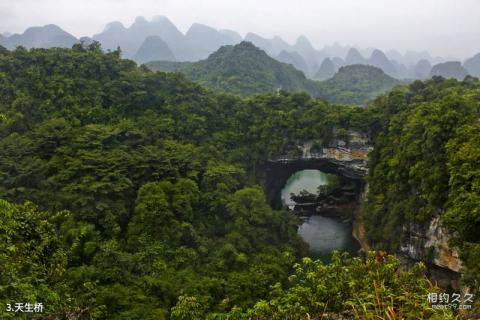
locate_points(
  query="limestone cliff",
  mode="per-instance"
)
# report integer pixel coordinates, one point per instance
(358, 230)
(346, 157)
(429, 242)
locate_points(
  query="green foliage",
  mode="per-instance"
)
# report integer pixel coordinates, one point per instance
(157, 174)
(187, 308)
(425, 163)
(158, 177)
(356, 84)
(242, 69)
(463, 205)
(34, 256)
(350, 287)
(245, 70)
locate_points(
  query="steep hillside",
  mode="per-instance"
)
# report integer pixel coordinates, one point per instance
(242, 69)
(131, 194)
(424, 177)
(356, 84)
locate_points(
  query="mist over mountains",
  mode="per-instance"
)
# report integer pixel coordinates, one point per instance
(244, 69)
(160, 40)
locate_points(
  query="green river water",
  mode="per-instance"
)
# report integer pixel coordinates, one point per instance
(323, 234)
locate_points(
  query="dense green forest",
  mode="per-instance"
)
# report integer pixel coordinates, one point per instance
(132, 194)
(426, 162)
(355, 84)
(241, 69)
(244, 70)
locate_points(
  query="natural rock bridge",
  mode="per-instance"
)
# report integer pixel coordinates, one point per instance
(345, 158)
(348, 159)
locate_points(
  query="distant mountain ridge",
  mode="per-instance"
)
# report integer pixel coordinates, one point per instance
(40, 37)
(245, 69)
(202, 40)
(354, 57)
(153, 48)
(473, 65)
(327, 70)
(449, 69)
(423, 69)
(295, 59)
(379, 59)
(242, 69)
(130, 39)
(356, 84)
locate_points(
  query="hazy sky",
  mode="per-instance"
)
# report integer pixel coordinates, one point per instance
(444, 27)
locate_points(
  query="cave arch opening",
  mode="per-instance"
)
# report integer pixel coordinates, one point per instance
(324, 203)
(303, 188)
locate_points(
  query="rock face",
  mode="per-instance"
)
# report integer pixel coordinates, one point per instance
(346, 157)
(358, 230)
(429, 243)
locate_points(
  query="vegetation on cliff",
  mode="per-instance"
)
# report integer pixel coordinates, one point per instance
(156, 175)
(241, 69)
(244, 70)
(131, 194)
(356, 84)
(426, 162)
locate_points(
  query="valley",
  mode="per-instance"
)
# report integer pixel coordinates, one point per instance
(147, 173)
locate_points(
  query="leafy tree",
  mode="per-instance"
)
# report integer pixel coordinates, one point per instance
(159, 179)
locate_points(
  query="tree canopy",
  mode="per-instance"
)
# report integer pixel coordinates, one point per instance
(132, 194)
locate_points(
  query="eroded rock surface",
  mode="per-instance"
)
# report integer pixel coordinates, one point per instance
(429, 242)
(345, 156)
